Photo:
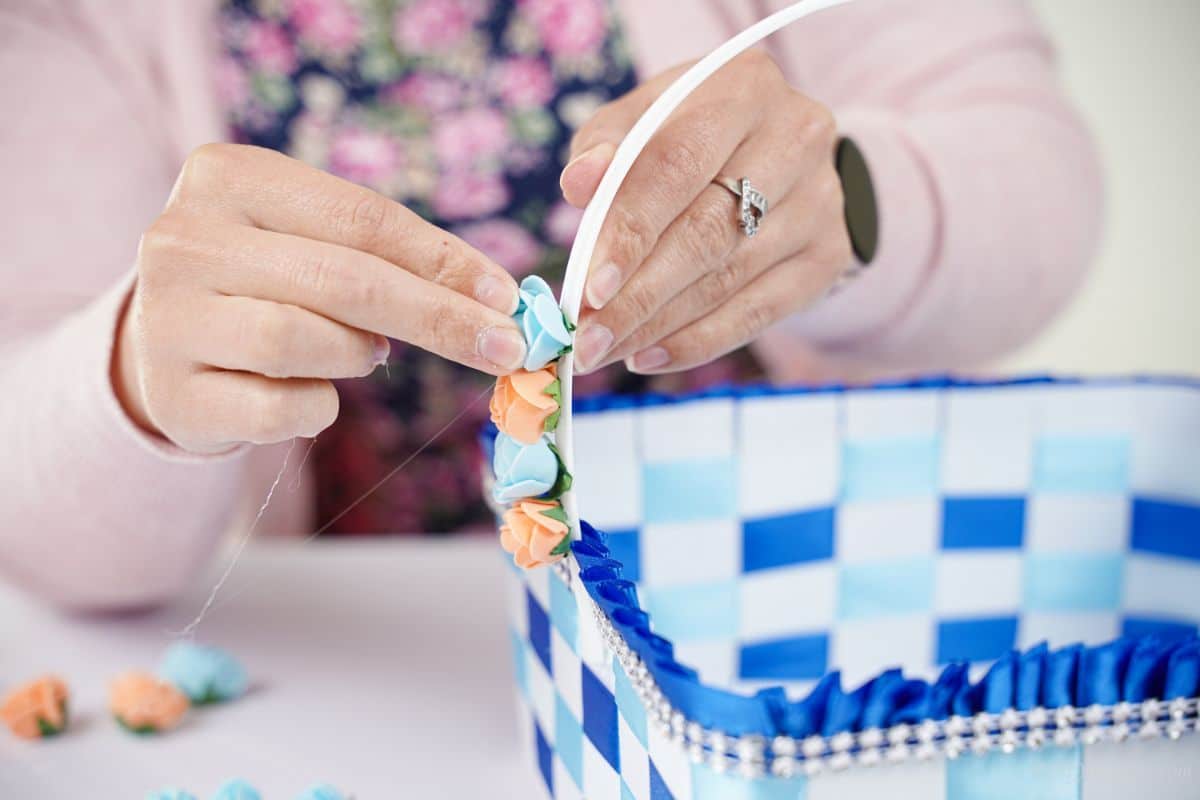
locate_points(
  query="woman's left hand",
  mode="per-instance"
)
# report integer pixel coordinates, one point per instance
(675, 281)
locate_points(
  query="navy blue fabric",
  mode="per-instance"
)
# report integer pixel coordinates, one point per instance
(1129, 668)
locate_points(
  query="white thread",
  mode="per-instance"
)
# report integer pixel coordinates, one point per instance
(237, 554)
(312, 443)
(487, 390)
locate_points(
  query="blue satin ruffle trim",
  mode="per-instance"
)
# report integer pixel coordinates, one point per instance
(1127, 669)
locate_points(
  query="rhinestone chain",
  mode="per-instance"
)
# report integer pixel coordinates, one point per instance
(755, 756)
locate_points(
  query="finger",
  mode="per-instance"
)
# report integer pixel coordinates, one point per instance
(224, 408)
(581, 177)
(777, 292)
(271, 191)
(612, 121)
(676, 166)
(704, 242)
(809, 224)
(348, 286)
(282, 341)
(595, 143)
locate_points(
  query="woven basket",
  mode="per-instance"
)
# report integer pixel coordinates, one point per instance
(772, 559)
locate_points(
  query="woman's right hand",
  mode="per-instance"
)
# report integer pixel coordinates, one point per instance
(264, 278)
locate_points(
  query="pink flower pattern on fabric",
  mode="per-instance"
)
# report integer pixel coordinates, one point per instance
(364, 156)
(572, 28)
(450, 107)
(434, 26)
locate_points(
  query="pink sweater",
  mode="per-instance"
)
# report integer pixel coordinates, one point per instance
(989, 187)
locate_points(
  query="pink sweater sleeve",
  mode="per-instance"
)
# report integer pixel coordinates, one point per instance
(93, 512)
(989, 186)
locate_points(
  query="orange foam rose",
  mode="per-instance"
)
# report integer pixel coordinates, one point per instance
(144, 704)
(520, 406)
(37, 708)
(532, 535)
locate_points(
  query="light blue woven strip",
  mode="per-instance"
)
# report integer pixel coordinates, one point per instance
(1073, 582)
(629, 704)
(519, 659)
(886, 588)
(564, 614)
(889, 469)
(686, 491)
(710, 785)
(692, 613)
(1081, 464)
(1053, 773)
(568, 740)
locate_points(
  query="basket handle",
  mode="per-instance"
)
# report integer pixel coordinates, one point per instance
(597, 210)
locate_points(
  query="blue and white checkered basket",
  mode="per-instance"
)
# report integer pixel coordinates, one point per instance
(774, 558)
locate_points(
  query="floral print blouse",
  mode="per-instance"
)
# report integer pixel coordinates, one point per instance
(462, 110)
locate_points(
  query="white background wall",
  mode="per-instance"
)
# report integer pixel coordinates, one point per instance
(1133, 66)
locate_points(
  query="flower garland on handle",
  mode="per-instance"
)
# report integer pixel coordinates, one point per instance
(531, 477)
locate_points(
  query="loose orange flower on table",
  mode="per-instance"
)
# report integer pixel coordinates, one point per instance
(535, 532)
(144, 704)
(37, 708)
(525, 404)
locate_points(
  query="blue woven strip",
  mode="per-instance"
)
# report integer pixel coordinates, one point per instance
(1074, 675)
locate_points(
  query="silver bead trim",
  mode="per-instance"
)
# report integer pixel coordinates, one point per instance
(755, 756)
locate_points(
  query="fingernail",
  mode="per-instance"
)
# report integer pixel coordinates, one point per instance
(650, 358)
(603, 284)
(503, 347)
(591, 344)
(591, 152)
(383, 349)
(496, 293)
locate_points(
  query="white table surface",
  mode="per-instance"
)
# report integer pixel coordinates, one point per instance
(379, 666)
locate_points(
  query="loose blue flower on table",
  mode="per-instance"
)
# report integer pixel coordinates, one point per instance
(547, 332)
(523, 471)
(237, 789)
(204, 674)
(171, 794)
(322, 792)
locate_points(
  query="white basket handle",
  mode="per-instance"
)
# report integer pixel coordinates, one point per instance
(597, 210)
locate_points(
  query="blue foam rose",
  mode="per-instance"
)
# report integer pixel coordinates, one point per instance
(522, 471)
(542, 322)
(237, 789)
(204, 674)
(321, 792)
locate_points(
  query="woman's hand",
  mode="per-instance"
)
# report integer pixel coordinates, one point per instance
(675, 282)
(264, 279)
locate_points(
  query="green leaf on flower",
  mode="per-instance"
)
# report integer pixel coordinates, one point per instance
(562, 547)
(563, 483)
(210, 697)
(140, 730)
(46, 729)
(557, 514)
(554, 391)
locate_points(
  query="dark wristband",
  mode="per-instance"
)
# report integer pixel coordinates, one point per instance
(862, 211)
